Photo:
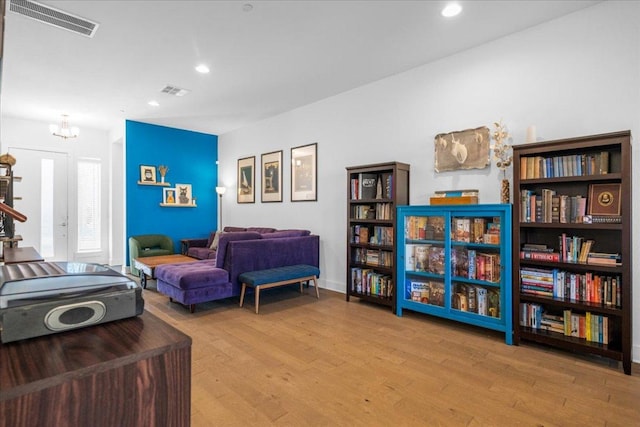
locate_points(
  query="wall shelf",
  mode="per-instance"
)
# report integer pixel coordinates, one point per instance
(177, 205)
(155, 184)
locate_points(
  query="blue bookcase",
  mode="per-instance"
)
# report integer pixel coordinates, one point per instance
(454, 261)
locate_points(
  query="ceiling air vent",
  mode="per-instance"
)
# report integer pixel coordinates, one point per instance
(55, 17)
(173, 90)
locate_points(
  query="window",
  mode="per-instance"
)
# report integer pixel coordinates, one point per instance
(89, 221)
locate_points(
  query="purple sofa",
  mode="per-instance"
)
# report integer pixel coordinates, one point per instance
(201, 248)
(238, 252)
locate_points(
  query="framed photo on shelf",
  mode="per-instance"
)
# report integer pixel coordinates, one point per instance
(183, 194)
(604, 199)
(246, 180)
(147, 174)
(272, 177)
(169, 196)
(304, 171)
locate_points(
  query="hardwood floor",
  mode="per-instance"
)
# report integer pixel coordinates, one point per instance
(309, 362)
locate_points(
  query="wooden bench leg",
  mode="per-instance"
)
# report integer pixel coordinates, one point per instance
(315, 285)
(244, 288)
(257, 291)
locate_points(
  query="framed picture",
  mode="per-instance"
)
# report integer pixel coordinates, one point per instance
(148, 174)
(183, 194)
(466, 149)
(304, 165)
(272, 177)
(168, 196)
(604, 199)
(246, 180)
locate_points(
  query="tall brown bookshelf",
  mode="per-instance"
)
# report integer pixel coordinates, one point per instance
(561, 296)
(373, 194)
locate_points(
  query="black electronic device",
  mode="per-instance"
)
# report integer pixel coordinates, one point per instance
(41, 298)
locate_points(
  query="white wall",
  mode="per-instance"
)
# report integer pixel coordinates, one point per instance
(21, 133)
(575, 76)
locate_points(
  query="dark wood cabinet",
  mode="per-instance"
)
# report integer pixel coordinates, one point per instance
(562, 297)
(373, 194)
(130, 372)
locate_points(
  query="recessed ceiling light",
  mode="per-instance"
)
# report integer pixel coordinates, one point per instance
(153, 103)
(247, 7)
(202, 69)
(450, 10)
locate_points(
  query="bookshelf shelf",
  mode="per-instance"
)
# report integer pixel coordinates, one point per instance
(574, 305)
(373, 194)
(445, 269)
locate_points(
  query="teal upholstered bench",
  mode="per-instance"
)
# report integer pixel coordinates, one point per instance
(279, 276)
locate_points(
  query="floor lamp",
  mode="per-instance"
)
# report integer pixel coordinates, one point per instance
(220, 191)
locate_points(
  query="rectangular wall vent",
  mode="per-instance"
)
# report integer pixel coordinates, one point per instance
(173, 90)
(55, 17)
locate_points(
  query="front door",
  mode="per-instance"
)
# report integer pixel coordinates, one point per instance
(41, 194)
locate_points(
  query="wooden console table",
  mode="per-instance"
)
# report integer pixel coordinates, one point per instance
(131, 372)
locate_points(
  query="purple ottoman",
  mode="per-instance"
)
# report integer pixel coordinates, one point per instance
(193, 282)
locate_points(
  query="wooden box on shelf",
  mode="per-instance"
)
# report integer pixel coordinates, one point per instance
(373, 194)
(572, 255)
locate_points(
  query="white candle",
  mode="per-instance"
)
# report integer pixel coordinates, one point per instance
(531, 134)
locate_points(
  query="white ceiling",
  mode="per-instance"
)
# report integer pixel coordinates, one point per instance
(279, 56)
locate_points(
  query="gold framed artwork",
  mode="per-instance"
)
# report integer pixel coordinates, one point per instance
(271, 177)
(604, 199)
(246, 180)
(304, 170)
(467, 149)
(147, 174)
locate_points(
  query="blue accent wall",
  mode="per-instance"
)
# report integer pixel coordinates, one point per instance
(191, 158)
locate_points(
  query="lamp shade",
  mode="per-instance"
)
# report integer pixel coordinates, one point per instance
(221, 190)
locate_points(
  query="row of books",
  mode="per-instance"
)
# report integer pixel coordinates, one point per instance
(471, 264)
(363, 212)
(373, 257)
(587, 287)
(368, 282)
(549, 207)
(372, 186)
(424, 228)
(589, 326)
(476, 299)
(424, 258)
(429, 292)
(472, 230)
(376, 235)
(377, 211)
(562, 166)
(573, 249)
(476, 230)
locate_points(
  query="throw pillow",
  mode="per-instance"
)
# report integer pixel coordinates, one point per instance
(216, 240)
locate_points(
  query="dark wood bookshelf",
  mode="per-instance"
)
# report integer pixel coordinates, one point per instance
(394, 183)
(609, 238)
